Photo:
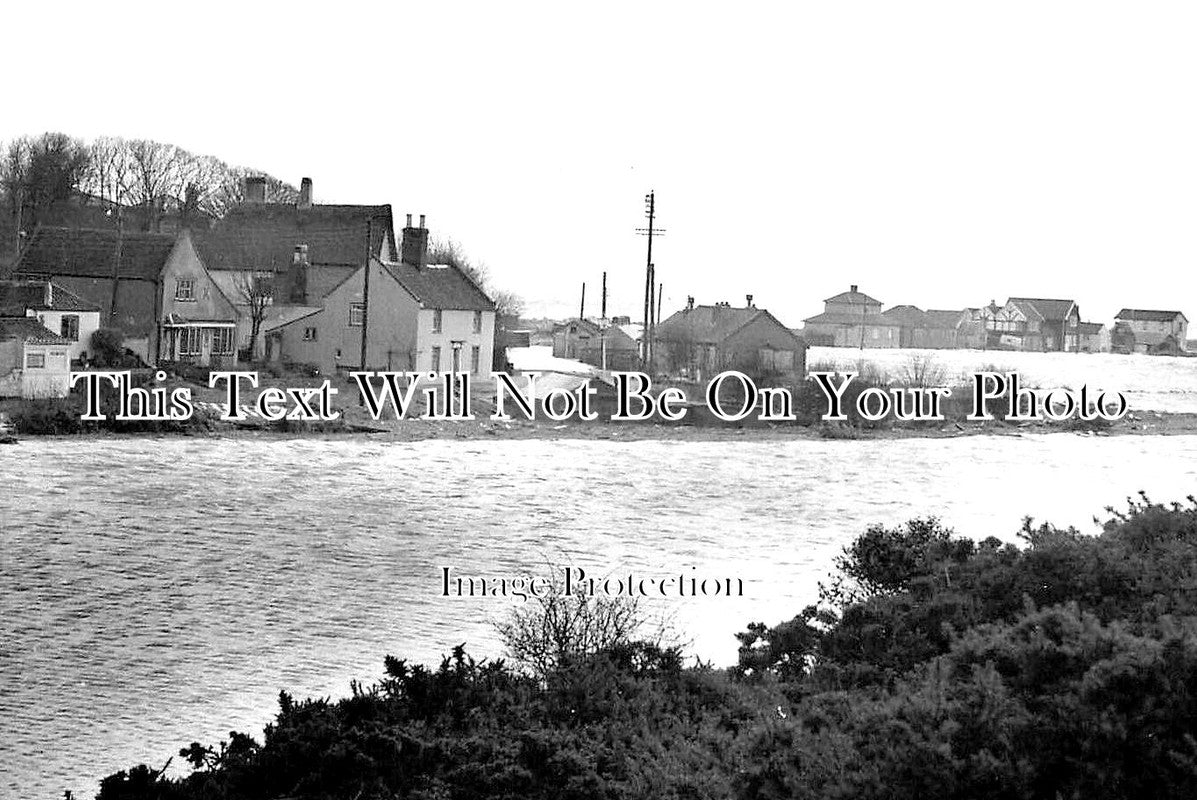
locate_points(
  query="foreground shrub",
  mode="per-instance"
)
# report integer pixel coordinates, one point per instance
(934, 666)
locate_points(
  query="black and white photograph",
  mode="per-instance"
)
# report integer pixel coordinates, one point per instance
(635, 401)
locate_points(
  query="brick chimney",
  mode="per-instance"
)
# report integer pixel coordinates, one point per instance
(299, 275)
(305, 194)
(414, 251)
(851, 288)
(255, 189)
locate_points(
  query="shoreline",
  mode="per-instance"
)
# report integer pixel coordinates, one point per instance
(356, 423)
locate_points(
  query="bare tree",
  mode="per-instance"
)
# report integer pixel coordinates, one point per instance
(556, 626)
(448, 251)
(255, 291)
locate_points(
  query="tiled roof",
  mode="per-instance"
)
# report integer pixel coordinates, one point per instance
(92, 253)
(906, 315)
(711, 324)
(29, 330)
(279, 316)
(441, 286)
(943, 318)
(854, 298)
(1146, 315)
(1047, 309)
(263, 236)
(17, 296)
(841, 318)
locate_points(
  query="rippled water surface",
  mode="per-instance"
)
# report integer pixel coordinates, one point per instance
(155, 592)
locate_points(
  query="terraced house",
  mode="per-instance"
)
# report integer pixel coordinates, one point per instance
(153, 287)
(410, 314)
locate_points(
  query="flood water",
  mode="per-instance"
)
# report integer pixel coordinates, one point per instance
(155, 592)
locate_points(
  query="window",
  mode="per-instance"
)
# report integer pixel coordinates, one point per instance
(222, 341)
(475, 358)
(436, 320)
(477, 322)
(189, 341)
(435, 364)
(35, 361)
(309, 334)
(185, 290)
(357, 313)
(70, 327)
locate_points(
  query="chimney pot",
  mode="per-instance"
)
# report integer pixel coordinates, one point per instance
(421, 220)
(851, 288)
(748, 297)
(305, 193)
(409, 220)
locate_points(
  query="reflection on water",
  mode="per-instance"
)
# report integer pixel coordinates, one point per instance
(154, 592)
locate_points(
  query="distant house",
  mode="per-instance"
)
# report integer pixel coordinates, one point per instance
(34, 361)
(852, 319)
(934, 329)
(417, 317)
(1140, 330)
(1093, 337)
(586, 340)
(700, 341)
(1035, 323)
(290, 254)
(977, 325)
(56, 308)
(153, 287)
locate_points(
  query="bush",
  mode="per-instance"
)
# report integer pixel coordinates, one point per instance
(108, 347)
(48, 417)
(935, 666)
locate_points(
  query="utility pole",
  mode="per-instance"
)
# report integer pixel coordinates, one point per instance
(582, 310)
(660, 297)
(650, 202)
(603, 327)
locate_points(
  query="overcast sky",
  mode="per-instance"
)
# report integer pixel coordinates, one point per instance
(940, 154)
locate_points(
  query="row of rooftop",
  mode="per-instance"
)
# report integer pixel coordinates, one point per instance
(328, 286)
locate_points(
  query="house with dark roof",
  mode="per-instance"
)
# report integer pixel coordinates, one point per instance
(852, 319)
(604, 346)
(1037, 323)
(266, 256)
(34, 361)
(1093, 337)
(1139, 330)
(153, 287)
(56, 308)
(412, 315)
(698, 342)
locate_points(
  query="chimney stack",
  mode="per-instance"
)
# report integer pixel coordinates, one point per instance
(748, 297)
(299, 275)
(851, 288)
(414, 250)
(305, 193)
(255, 189)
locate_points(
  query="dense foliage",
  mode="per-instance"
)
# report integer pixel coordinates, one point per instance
(933, 666)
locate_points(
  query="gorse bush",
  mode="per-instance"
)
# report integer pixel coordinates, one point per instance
(931, 666)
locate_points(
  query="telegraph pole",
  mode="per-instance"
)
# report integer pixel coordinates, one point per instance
(650, 202)
(603, 327)
(582, 310)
